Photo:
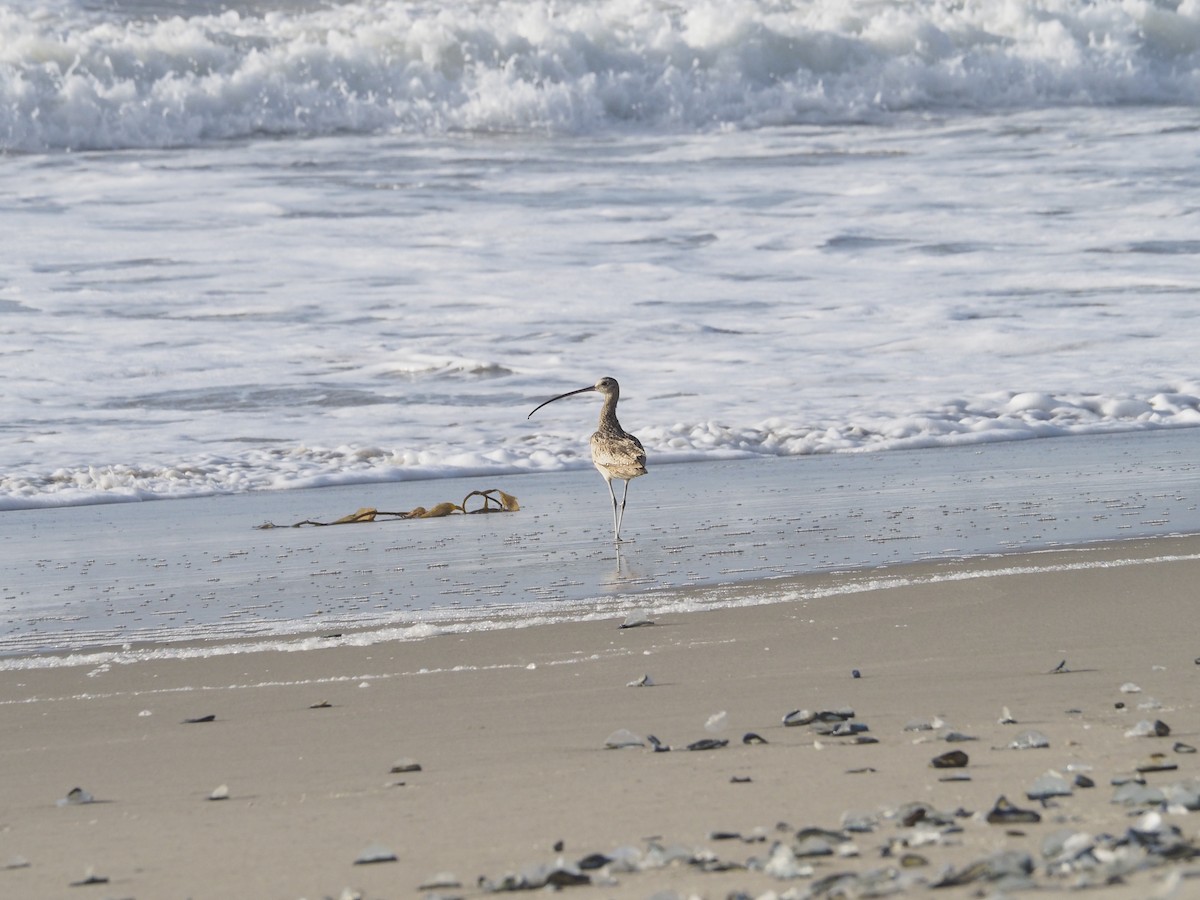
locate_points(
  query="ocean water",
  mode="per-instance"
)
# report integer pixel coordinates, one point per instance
(266, 245)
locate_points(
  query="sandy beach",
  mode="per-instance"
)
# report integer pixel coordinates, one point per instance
(509, 727)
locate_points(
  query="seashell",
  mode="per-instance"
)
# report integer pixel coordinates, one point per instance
(440, 881)
(637, 619)
(955, 759)
(1130, 688)
(799, 717)
(782, 864)
(1006, 717)
(622, 738)
(221, 792)
(1181, 747)
(659, 746)
(211, 717)
(1156, 762)
(1013, 866)
(1029, 740)
(859, 822)
(751, 737)
(1134, 778)
(1049, 785)
(1133, 794)
(77, 796)
(90, 877)
(740, 779)
(812, 845)
(1060, 668)
(708, 744)
(1146, 728)
(1184, 794)
(17, 862)
(957, 737)
(644, 681)
(405, 764)
(1083, 781)
(919, 725)
(593, 861)
(1065, 844)
(840, 728)
(716, 722)
(854, 673)
(375, 853)
(1004, 813)
(324, 704)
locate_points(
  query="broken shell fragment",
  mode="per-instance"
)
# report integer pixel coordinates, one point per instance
(1029, 740)
(1146, 728)
(622, 738)
(375, 853)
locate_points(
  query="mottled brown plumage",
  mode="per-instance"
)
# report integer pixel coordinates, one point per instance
(615, 452)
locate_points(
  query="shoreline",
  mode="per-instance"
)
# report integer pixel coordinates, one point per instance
(92, 577)
(509, 729)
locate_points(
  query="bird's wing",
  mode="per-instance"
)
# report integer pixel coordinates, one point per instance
(623, 450)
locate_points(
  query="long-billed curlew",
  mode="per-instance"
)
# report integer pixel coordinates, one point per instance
(615, 452)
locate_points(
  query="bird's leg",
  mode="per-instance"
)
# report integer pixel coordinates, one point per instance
(624, 497)
(616, 517)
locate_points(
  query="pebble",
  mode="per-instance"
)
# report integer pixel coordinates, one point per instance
(955, 759)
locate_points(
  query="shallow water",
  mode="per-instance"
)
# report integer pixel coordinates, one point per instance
(148, 575)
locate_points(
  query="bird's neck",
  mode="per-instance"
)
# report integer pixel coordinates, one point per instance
(608, 415)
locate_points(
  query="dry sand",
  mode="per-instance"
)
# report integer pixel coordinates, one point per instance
(509, 729)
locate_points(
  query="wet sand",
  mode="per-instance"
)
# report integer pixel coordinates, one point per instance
(509, 727)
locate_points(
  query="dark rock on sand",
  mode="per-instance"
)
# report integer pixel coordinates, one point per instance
(955, 759)
(1004, 813)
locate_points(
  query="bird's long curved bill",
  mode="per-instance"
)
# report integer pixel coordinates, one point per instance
(560, 396)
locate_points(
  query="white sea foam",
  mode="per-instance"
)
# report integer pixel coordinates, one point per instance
(80, 77)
